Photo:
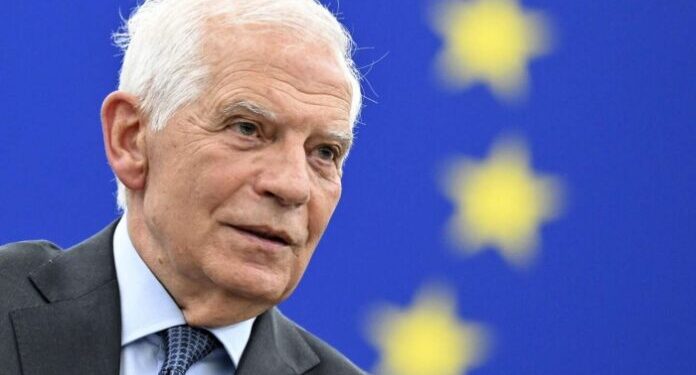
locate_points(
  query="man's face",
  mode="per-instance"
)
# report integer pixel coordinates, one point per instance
(242, 183)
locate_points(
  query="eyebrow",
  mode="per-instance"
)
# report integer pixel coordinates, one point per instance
(344, 138)
(248, 106)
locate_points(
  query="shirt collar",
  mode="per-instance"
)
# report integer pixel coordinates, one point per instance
(147, 308)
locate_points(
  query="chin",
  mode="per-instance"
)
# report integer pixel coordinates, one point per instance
(255, 285)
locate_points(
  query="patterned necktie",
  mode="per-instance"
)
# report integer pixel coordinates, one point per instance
(183, 346)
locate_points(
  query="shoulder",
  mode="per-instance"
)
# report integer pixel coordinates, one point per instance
(17, 261)
(19, 258)
(331, 360)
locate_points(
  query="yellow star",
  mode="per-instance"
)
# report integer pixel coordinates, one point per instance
(501, 203)
(489, 41)
(428, 338)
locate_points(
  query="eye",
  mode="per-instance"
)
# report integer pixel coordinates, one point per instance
(327, 153)
(247, 129)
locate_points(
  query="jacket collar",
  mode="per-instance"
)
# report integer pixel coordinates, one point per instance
(276, 347)
(78, 331)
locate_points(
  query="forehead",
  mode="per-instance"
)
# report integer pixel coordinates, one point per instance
(275, 64)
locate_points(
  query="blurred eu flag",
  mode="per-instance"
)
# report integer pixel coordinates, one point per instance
(520, 198)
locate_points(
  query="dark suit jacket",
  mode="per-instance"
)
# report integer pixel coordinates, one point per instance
(60, 314)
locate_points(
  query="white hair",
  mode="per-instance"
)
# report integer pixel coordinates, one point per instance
(161, 41)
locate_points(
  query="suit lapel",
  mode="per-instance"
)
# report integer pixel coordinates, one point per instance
(276, 347)
(79, 330)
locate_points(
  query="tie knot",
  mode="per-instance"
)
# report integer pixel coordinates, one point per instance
(183, 346)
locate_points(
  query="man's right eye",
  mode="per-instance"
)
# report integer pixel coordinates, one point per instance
(247, 129)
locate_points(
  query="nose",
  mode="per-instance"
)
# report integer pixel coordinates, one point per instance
(285, 177)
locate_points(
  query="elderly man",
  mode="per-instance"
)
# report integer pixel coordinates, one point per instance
(227, 136)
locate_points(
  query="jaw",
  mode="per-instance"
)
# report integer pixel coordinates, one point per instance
(222, 288)
(218, 310)
(235, 301)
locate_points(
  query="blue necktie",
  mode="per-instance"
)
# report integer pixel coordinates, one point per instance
(183, 346)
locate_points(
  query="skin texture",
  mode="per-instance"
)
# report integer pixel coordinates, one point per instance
(259, 154)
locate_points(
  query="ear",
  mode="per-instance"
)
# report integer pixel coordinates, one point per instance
(124, 131)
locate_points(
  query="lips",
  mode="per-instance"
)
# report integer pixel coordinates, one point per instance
(276, 236)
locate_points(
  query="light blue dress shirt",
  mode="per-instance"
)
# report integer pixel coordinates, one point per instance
(147, 308)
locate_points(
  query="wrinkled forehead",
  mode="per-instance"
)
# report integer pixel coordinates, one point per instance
(312, 63)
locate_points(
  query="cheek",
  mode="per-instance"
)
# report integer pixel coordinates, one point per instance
(320, 211)
(298, 269)
(217, 178)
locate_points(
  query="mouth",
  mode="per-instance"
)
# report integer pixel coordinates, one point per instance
(277, 237)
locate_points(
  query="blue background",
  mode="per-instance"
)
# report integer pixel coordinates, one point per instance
(611, 111)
